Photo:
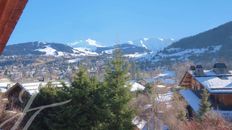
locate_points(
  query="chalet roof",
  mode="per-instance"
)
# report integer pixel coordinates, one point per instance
(215, 83)
(33, 88)
(191, 98)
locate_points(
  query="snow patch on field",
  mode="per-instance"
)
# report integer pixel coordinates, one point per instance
(177, 52)
(166, 97)
(110, 51)
(136, 55)
(48, 51)
(74, 60)
(136, 87)
(166, 78)
(85, 52)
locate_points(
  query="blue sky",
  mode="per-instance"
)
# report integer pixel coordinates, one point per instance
(109, 21)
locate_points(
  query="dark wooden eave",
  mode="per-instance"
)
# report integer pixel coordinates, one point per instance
(10, 12)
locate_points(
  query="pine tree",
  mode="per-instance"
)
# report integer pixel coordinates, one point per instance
(46, 119)
(82, 112)
(204, 104)
(94, 105)
(118, 95)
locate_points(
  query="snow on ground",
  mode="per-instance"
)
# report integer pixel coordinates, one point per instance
(84, 52)
(166, 74)
(166, 77)
(110, 51)
(135, 55)
(60, 53)
(74, 60)
(166, 97)
(160, 86)
(143, 45)
(178, 52)
(168, 81)
(147, 106)
(48, 51)
(140, 123)
(4, 86)
(136, 86)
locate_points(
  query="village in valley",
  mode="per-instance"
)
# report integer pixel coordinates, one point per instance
(168, 92)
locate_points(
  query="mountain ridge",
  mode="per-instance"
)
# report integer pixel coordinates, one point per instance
(87, 47)
(212, 45)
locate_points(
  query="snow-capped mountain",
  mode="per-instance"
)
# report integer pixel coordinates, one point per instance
(128, 50)
(42, 48)
(58, 49)
(153, 44)
(89, 47)
(89, 44)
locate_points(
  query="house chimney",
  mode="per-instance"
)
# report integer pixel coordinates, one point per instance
(220, 68)
(192, 67)
(199, 70)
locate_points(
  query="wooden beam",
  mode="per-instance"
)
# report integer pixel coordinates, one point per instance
(10, 12)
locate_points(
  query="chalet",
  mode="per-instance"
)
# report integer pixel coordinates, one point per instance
(19, 94)
(17, 97)
(218, 83)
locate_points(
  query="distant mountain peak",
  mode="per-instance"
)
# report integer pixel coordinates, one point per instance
(152, 44)
(145, 39)
(93, 42)
(88, 44)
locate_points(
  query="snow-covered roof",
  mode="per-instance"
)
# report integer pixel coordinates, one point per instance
(191, 99)
(136, 86)
(215, 83)
(34, 87)
(209, 73)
